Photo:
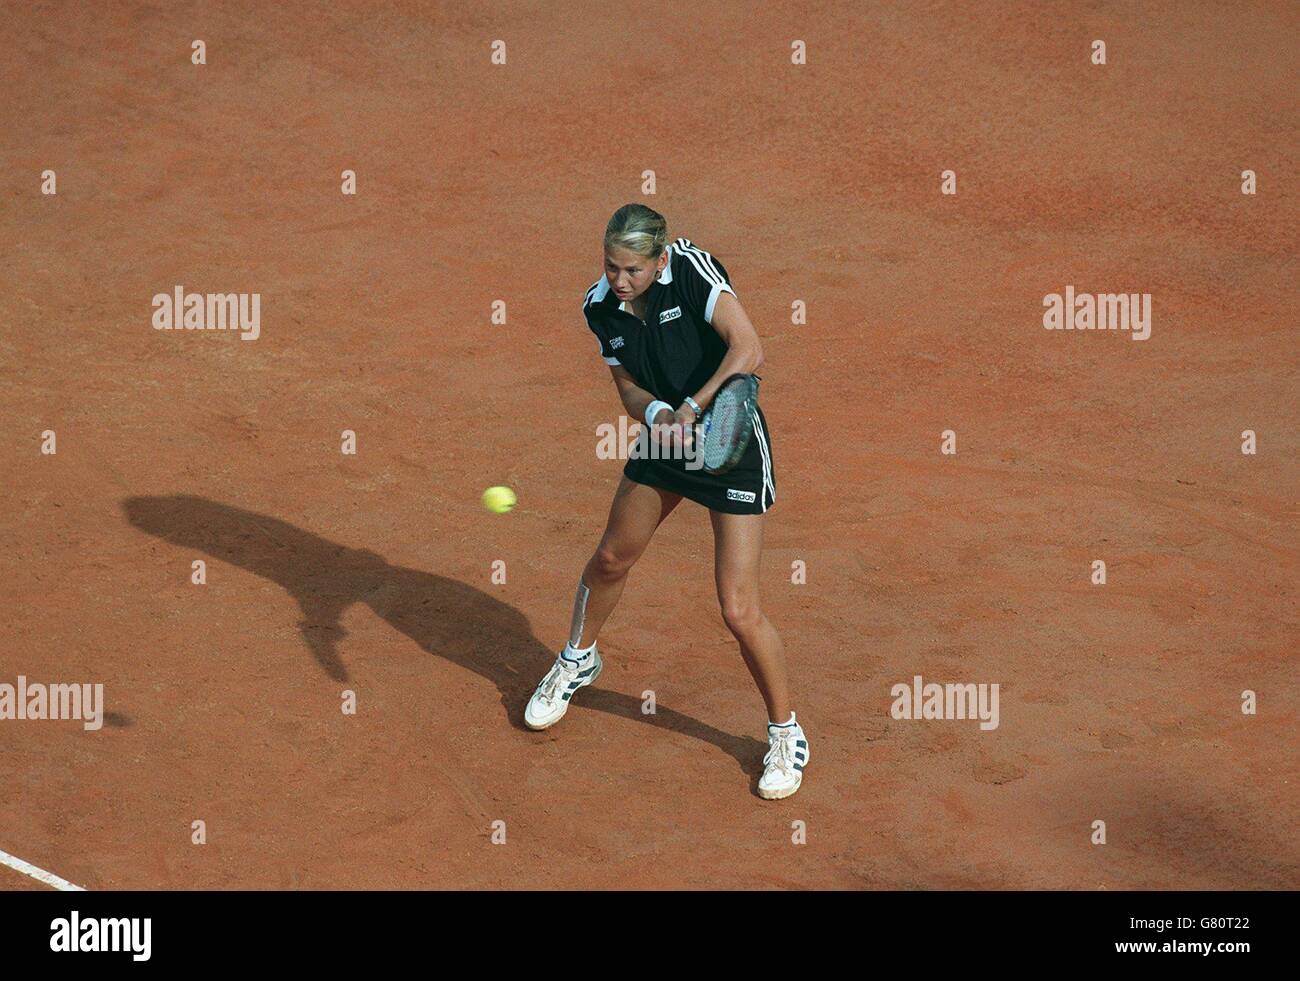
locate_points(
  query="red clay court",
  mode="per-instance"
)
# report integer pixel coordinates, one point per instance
(481, 182)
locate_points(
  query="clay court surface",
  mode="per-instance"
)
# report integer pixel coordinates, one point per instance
(479, 182)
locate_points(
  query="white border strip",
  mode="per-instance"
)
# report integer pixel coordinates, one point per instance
(40, 875)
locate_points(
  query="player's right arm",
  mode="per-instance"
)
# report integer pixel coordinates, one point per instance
(636, 400)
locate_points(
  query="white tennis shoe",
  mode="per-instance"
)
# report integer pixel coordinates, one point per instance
(551, 699)
(786, 757)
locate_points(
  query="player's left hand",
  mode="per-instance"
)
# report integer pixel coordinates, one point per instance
(684, 421)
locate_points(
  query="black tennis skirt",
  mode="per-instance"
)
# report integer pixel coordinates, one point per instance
(748, 488)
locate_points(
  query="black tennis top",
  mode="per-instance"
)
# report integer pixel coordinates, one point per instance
(675, 350)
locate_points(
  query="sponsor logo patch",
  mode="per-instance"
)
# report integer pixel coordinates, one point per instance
(616, 343)
(739, 495)
(668, 315)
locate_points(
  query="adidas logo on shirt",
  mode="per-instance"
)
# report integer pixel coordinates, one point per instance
(668, 315)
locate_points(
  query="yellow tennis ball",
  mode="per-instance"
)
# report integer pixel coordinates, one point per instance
(499, 499)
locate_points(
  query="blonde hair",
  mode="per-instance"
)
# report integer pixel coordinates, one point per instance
(638, 229)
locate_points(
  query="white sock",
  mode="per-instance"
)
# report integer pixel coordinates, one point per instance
(782, 725)
(579, 653)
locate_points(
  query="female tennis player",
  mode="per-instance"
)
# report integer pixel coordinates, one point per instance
(673, 334)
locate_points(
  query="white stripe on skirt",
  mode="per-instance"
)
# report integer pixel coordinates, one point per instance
(768, 484)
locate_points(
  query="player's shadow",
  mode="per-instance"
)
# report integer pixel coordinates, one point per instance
(445, 617)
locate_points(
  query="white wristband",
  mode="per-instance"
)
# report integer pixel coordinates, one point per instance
(653, 409)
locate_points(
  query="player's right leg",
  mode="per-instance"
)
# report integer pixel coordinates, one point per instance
(637, 510)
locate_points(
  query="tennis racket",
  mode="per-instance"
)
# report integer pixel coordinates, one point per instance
(728, 425)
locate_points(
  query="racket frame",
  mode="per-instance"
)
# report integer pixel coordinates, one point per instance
(749, 406)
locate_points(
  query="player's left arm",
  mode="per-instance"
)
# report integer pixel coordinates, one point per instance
(744, 349)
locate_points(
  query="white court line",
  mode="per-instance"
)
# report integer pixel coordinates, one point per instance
(40, 875)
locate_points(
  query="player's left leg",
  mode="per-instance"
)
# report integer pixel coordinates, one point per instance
(737, 547)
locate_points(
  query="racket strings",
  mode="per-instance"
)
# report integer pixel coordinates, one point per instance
(724, 428)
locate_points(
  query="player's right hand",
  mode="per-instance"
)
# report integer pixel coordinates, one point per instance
(667, 430)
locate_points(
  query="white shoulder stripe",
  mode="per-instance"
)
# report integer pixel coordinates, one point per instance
(701, 259)
(597, 292)
(708, 261)
(705, 274)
